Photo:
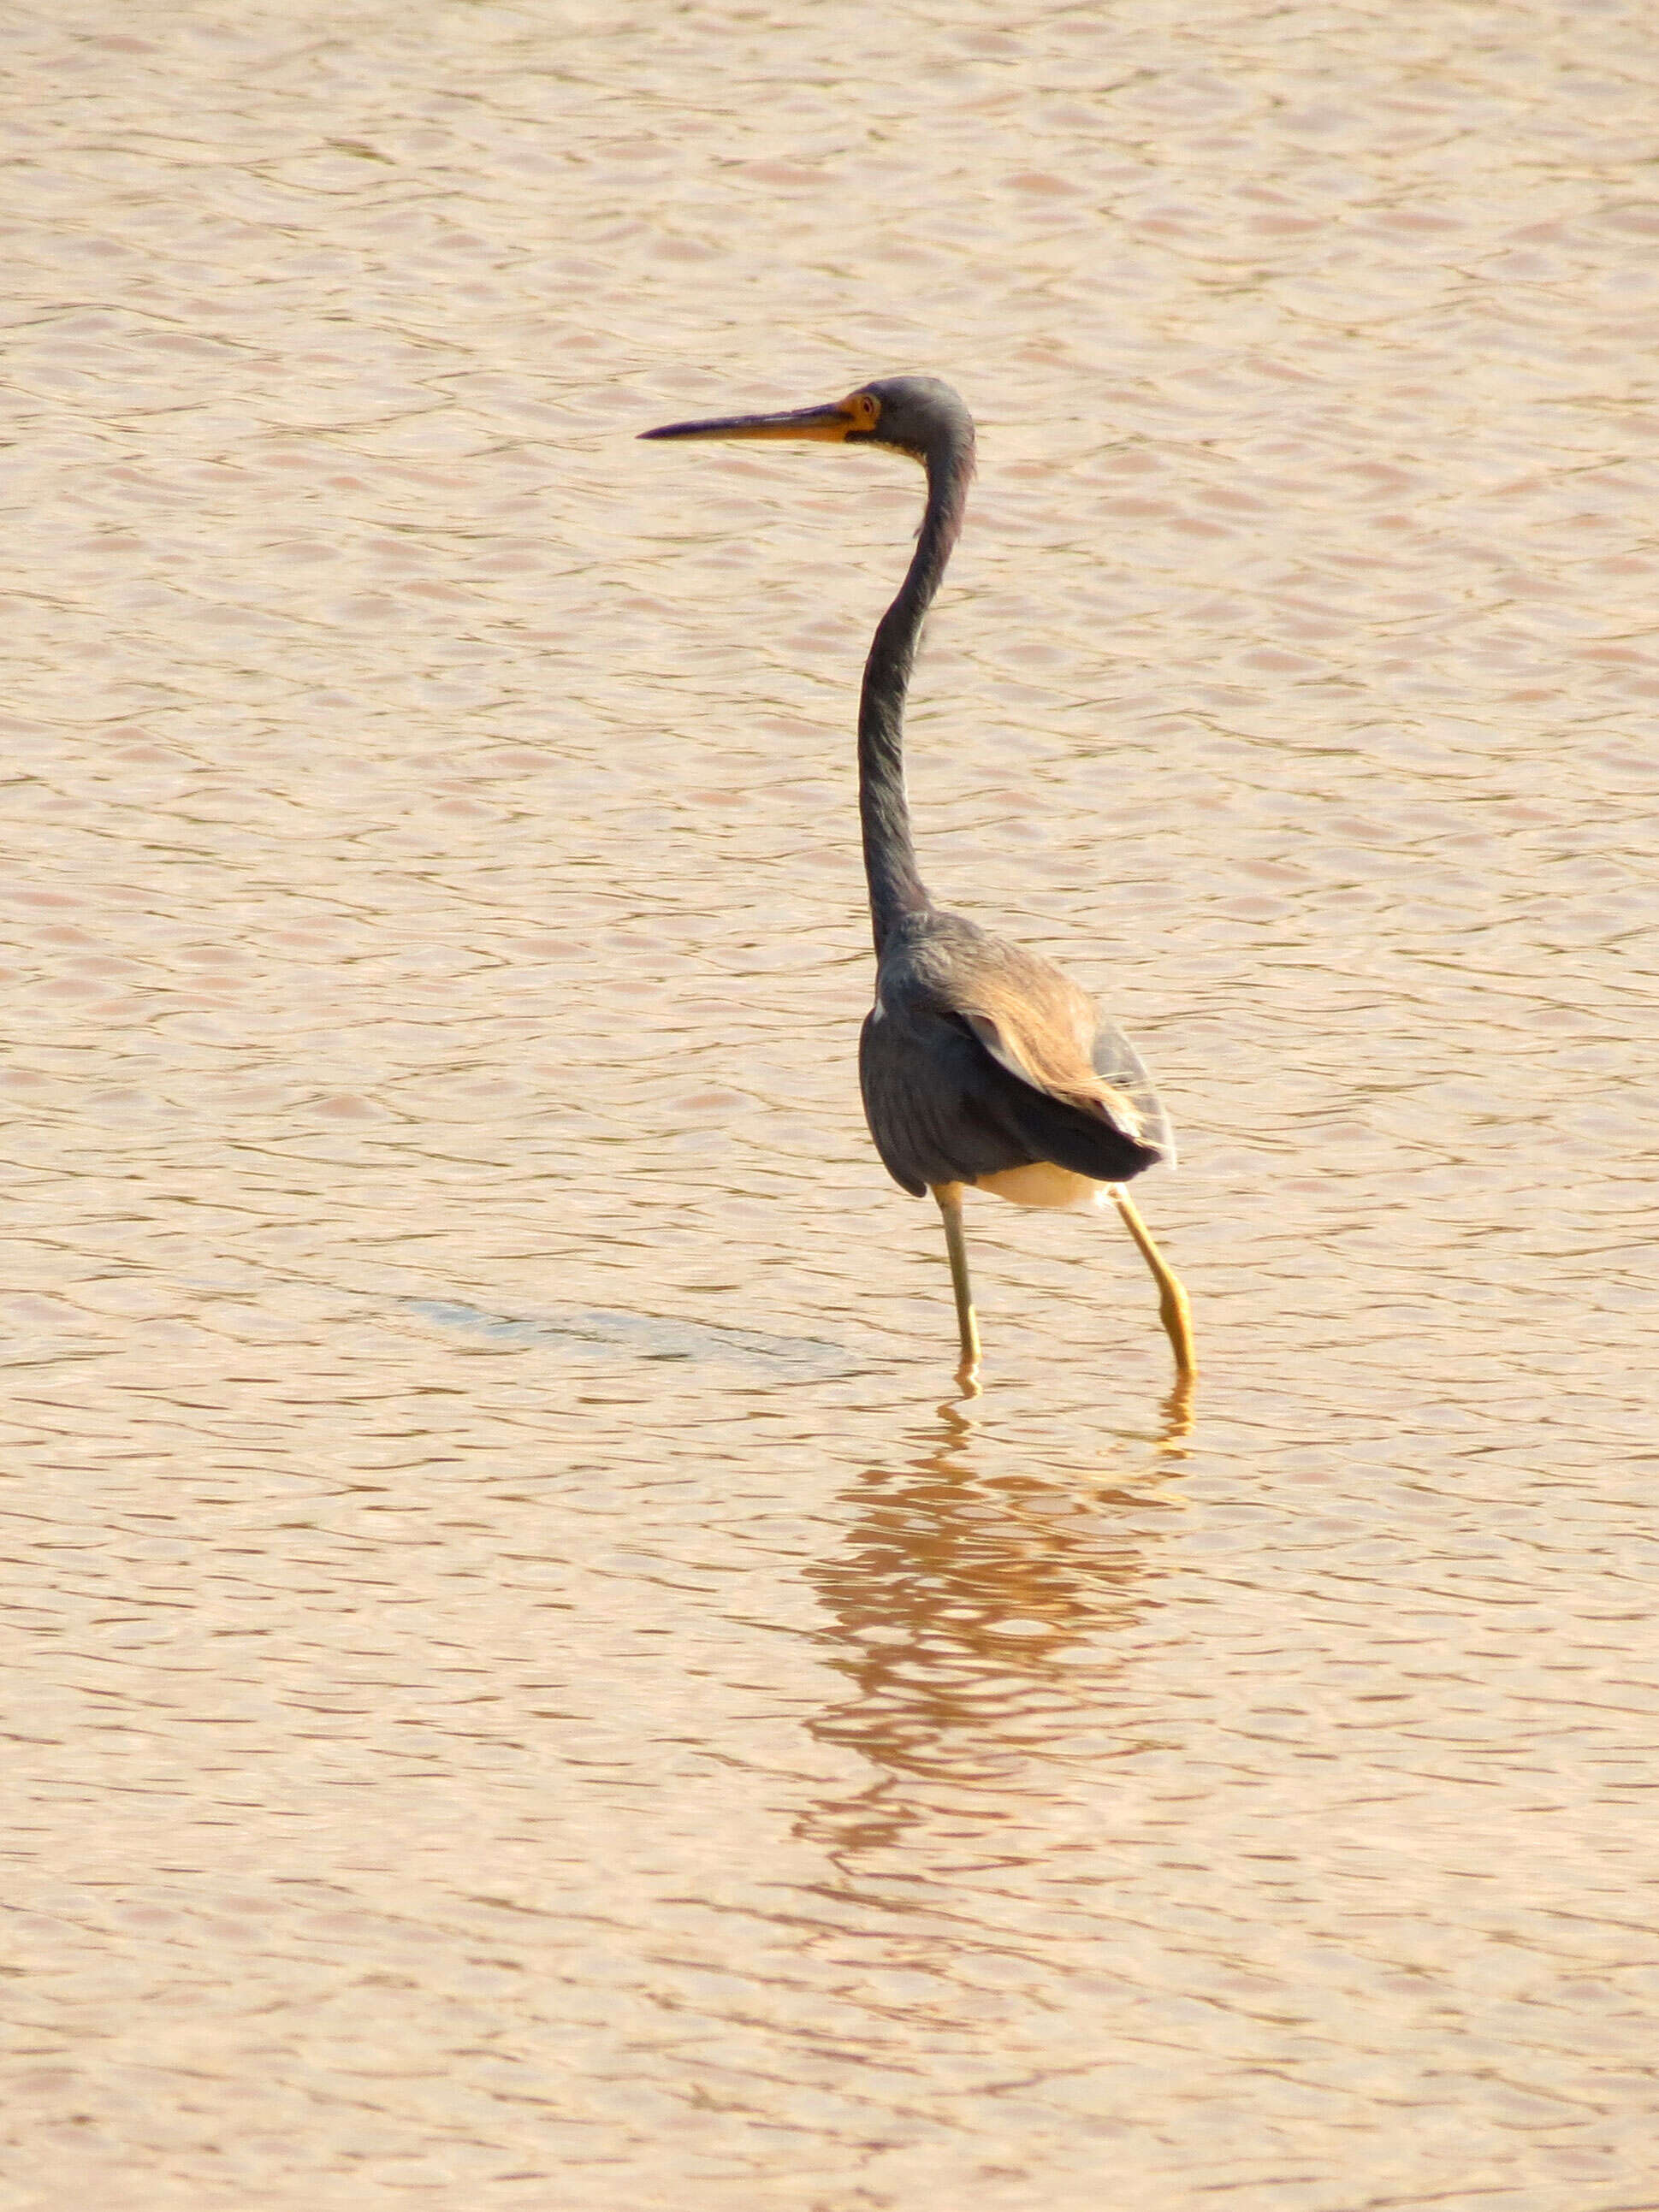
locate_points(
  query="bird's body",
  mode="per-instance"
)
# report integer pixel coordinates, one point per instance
(980, 1062)
(982, 1065)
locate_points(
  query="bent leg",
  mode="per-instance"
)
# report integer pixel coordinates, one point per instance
(1172, 1302)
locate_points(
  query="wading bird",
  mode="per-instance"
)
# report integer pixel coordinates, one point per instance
(982, 1065)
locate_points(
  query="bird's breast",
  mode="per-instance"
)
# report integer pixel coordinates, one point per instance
(1042, 1183)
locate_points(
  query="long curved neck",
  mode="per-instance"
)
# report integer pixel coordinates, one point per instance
(889, 856)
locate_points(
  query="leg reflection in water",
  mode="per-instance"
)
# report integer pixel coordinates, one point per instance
(981, 1609)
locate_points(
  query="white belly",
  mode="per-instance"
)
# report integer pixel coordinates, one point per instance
(1042, 1183)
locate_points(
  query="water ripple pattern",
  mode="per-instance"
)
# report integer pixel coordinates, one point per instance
(521, 1687)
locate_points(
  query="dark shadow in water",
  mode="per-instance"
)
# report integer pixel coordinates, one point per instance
(647, 1336)
(976, 1617)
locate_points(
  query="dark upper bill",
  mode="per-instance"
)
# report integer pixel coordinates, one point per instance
(858, 413)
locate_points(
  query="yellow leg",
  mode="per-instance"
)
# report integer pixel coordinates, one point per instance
(949, 1196)
(1172, 1305)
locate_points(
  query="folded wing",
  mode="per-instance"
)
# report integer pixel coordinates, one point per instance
(985, 1058)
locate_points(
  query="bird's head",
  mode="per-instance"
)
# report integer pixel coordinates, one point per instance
(915, 414)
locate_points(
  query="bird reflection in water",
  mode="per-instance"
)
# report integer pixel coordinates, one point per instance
(968, 1611)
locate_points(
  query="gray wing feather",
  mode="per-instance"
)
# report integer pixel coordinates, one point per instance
(1118, 1063)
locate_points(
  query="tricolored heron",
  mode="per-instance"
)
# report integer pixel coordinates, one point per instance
(982, 1065)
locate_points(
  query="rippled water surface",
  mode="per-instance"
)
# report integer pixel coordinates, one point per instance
(524, 1686)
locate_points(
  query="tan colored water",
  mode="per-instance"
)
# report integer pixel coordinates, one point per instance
(523, 1688)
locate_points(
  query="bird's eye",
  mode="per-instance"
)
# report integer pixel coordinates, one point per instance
(866, 410)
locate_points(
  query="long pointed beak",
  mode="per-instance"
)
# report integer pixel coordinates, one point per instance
(830, 423)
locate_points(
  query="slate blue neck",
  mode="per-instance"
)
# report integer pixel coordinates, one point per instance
(889, 856)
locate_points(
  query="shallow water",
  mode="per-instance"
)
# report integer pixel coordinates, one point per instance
(526, 1685)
